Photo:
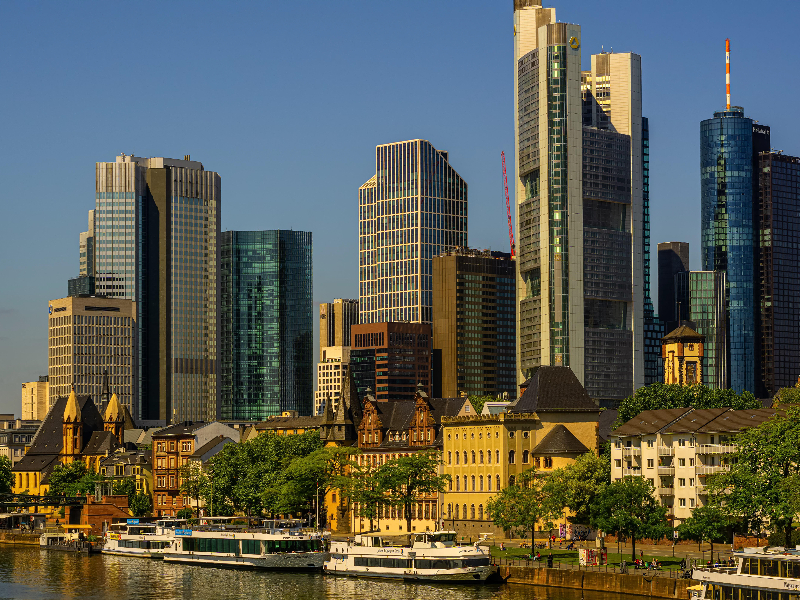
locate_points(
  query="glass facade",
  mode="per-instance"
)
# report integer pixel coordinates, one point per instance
(704, 293)
(78, 286)
(267, 323)
(727, 231)
(653, 326)
(410, 211)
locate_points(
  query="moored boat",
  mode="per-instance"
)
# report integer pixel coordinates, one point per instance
(145, 540)
(430, 556)
(758, 573)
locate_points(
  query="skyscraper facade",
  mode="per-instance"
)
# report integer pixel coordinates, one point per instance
(580, 215)
(729, 146)
(779, 270)
(474, 324)
(702, 296)
(414, 207)
(156, 225)
(335, 320)
(673, 258)
(267, 328)
(86, 248)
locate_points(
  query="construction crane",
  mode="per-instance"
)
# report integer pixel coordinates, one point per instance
(508, 208)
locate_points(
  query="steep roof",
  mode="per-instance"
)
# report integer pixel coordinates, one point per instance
(50, 437)
(210, 445)
(606, 422)
(560, 440)
(397, 415)
(737, 420)
(289, 423)
(650, 421)
(683, 332)
(179, 429)
(101, 442)
(72, 411)
(694, 420)
(553, 389)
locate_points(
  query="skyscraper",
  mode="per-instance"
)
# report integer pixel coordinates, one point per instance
(156, 226)
(653, 325)
(673, 258)
(580, 212)
(414, 207)
(778, 298)
(335, 320)
(729, 147)
(267, 328)
(474, 324)
(86, 248)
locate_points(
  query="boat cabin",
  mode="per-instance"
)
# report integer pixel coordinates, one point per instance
(435, 539)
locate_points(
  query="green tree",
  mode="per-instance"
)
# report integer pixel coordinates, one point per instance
(760, 489)
(659, 395)
(185, 513)
(406, 478)
(193, 480)
(523, 505)
(575, 487)
(707, 524)
(369, 492)
(788, 395)
(141, 505)
(478, 402)
(73, 479)
(627, 507)
(124, 487)
(6, 477)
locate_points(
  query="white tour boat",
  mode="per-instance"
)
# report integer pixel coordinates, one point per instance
(759, 574)
(277, 545)
(138, 538)
(432, 556)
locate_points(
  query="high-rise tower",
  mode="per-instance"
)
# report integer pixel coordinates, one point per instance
(157, 224)
(414, 207)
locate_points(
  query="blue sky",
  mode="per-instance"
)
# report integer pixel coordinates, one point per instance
(288, 100)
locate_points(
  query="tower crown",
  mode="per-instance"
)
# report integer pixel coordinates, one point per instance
(72, 412)
(113, 411)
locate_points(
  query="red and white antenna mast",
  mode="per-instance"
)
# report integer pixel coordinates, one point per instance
(728, 71)
(508, 209)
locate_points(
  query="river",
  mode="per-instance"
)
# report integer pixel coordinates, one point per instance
(27, 573)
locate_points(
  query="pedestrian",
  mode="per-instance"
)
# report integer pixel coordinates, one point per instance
(502, 546)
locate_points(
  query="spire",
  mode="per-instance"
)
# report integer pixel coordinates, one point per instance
(328, 410)
(114, 412)
(105, 394)
(728, 71)
(72, 412)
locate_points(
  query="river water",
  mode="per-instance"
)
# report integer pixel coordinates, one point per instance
(27, 573)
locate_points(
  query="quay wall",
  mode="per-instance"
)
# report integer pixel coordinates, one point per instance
(629, 585)
(25, 539)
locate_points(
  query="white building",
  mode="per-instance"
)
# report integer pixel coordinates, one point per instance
(331, 373)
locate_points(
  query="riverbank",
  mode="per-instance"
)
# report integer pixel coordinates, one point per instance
(629, 585)
(24, 539)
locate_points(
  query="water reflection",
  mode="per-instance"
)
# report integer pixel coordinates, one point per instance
(33, 574)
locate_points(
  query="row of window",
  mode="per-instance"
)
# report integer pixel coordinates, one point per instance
(186, 446)
(257, 547)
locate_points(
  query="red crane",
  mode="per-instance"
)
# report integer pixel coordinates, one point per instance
(508, 208)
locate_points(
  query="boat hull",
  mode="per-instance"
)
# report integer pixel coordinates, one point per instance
(299, 561)
(476, 574)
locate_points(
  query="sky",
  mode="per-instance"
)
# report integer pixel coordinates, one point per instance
(287, 101)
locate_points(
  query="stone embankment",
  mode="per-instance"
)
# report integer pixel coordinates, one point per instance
(24, 539)
(629, 585)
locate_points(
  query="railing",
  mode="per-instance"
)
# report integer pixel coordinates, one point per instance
(628, 569)
(711, 469)
(632, 451)
(715, 448)
(666, 491)
(632, 471)
(666, 451)
(701, 488)
(664, 470)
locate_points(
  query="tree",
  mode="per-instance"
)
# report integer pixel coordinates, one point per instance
(788, 395)
(124, 487)
(185, 513)
(575, 487)
(520, 507)
(659, 395)
(406, 478)
(478, 402)
(369, 492)
(760, 489)
(193, 480)
(627, 507)
(6, 477)
(73, 479)
(707, 524)
(141, 505)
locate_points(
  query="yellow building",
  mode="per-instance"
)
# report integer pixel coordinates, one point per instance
(552, 423)
(682, 351)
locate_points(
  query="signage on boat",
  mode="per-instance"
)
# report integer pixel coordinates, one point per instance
(114, 536)
(183, 532)
(133, 521)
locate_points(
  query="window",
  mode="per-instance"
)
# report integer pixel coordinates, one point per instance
(450, 485)
(472, 511)
(465, 483)
(681, 462)
(682, 482)
(682, 442)
(172, 446)
(548, 462)
(480, 483)
(497, 456)
(473, 457)
(489, 457)
(525, 435)
(458, 456)
(473, 483)
(186, 446)
(691, 502)
(465, 457)
(511, 434)
(691, 482)
(511, 456)
(691, 462)
(480, 456)
(480, 511)
(497, 481)
(449, 457)
(682, 502)
(525, 456)
(618, 463)
(649, 443)
(489, 482)
(649, 463)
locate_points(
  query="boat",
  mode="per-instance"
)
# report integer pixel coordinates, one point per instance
(429, 556)
(766, 573)
(282, 545)
(142, 539)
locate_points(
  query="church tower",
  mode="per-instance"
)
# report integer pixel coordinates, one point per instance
(73, 429)
(114, 419)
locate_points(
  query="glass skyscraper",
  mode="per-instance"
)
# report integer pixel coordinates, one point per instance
(413, 208)
(729, 148)
(267, 326)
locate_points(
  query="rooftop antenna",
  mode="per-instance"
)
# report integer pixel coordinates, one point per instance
(728, 71)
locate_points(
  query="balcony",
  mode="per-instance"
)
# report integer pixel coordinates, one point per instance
(711, 469)
(635, 471)
(715, 448)
(631, 451)
(666, 470)
(666, 451)
(665, 491)
(701, 488)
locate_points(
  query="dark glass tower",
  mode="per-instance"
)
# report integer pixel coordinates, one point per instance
(267, 325)
(728, 151)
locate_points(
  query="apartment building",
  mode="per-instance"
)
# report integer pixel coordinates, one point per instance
(676, 449)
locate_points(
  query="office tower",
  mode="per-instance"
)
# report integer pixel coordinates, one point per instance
(88, 340)
(335, 320)
(779, 270)
(156, 227)
(87, 248)
(673, 258)
(35, 402)
(414, 207)
(83, 285)
(267, 328)
(729, 147)
(474, 324)
(332, 371)
(391, 359)
(701, 295)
